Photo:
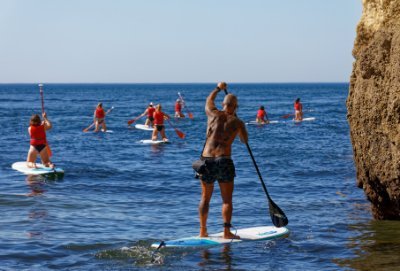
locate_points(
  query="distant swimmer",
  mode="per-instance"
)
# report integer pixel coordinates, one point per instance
(159, 127)
(298, 110)
(262, 116)
(222, 128)
(37, 132)
(99, 118)
(178, 109)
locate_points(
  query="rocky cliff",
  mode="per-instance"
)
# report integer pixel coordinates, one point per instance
(374, 106)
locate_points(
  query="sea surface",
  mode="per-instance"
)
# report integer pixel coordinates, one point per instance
(118, 196)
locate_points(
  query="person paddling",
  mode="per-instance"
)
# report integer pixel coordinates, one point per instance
(262, 116)
(222, 129)
(159, 127)
(99, 118)
(178, 109)
(38, 143)
(149, 112)
(298, 110)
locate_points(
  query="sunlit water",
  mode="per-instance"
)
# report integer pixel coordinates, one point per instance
(118, 195)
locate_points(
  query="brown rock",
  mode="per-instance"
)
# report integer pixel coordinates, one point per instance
(374, 106)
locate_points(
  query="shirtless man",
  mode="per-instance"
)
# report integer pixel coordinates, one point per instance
(222, 128)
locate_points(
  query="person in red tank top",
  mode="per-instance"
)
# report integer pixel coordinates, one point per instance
(159, 117)
(149, 113)
(261, 115)
(38, 143)
(298, 110)
(99, 118)
(178, 109)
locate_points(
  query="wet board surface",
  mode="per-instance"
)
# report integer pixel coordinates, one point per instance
(246, 234)
(154, 142)
(144, 127)
(41, 169)
(257, 123)
(107, 131)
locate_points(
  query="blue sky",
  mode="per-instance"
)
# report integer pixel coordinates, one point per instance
(132, 41)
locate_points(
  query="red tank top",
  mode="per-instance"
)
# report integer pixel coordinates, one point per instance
(150, 111)
(38, 135)
(297, 106)
(158, 118)
(100, 113)
(178, 107)
(260, 114)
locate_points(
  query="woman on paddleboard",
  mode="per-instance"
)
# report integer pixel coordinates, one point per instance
(99, 118)
(37, 132)
(261, 115)
(159, 127)
(149, 112)
(178, 109)
(298, 110)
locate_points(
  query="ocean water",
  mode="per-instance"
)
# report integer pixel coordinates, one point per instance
(118, 195)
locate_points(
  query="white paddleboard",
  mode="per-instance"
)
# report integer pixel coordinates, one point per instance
(41, 169)
(107, 131)
(154, 142)
(257, 123)
(143, 127)
(305, 119)
(246, 234)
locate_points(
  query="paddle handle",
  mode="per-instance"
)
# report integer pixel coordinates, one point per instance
(41, 96)
(258, 171)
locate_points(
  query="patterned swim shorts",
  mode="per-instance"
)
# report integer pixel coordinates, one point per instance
(218, 168)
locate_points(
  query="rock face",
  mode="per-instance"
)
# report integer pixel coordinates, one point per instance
(374, 106)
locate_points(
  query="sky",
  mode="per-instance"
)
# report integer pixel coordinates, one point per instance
(177, 41)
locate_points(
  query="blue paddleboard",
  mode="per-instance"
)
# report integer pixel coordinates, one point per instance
(246, 234)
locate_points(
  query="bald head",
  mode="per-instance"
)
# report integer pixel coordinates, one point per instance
(230, 102)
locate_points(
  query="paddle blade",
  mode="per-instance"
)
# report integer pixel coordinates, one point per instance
(180, 134)
(286, 116)
(278, 217)
(131, 121)
(190, 115)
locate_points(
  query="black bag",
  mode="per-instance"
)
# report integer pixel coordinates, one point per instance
(199, 166)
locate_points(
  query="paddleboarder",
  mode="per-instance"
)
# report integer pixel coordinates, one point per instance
(262, 116)
(159, 127)
(178, 109)
(99, 118)
(298, 110)
(149, 112)
(38, 142)
(223, 127)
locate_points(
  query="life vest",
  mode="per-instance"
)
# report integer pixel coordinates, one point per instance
(260, 114)
(38, 135)
(158, 118)
(100, 113)
(178, 107)
(297, 106)
(150, 111)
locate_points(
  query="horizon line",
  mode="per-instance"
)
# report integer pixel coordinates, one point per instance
(165, 83)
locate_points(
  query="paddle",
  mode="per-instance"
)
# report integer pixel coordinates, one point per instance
(133, 120)
(278, 217)
(187, 109)
(91, 125)
(49, 152)
(179, 133)
(287, 116)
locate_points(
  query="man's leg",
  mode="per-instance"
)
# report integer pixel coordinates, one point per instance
(227, 208)
(206, 193)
